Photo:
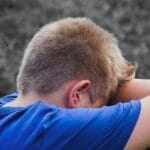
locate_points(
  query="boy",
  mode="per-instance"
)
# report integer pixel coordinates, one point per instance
(70, 68)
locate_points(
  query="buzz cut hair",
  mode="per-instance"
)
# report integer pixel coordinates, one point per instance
(70, 49)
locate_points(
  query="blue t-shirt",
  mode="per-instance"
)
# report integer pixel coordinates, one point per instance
(43, 126)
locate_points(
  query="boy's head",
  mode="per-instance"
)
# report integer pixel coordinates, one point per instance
(73, 49)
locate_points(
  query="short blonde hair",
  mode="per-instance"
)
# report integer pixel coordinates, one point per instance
(73, 48)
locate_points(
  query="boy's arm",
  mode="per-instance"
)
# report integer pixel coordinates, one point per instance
(140, 137)
(134, 89)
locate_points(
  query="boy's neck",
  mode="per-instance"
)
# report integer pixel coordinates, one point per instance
(32, 97)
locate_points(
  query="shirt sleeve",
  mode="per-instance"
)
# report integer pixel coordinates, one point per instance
(108, 127)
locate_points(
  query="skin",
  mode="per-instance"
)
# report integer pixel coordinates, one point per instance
(75, 94)
(138, 89)
(134, 89)
(140, 137)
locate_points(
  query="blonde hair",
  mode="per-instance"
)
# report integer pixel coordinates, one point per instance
(73, 48)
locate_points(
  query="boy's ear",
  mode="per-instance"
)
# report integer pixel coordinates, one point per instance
(77, 91)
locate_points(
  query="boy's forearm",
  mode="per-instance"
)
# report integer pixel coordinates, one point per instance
(134, 89)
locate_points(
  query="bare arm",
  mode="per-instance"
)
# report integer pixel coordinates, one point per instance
(140, 137)
(134, 89)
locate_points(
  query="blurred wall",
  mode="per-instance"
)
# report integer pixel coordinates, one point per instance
(129, 20)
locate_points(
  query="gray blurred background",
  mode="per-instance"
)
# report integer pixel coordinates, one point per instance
(129, 20)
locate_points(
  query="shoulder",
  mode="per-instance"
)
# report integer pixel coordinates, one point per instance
(8, 98)
(112, 124)
(118, 111)
(140, 137)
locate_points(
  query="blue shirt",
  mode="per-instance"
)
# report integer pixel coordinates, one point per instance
(43, 126)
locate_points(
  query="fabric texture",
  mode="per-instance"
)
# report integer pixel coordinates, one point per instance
(43, 126)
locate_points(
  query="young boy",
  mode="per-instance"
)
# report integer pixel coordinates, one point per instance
(69, 69)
